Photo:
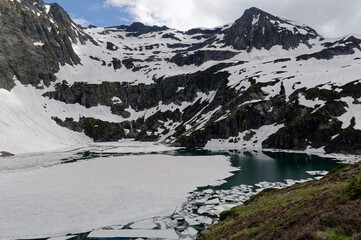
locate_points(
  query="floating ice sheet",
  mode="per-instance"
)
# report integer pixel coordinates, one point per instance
(157, 234)
(89, 195)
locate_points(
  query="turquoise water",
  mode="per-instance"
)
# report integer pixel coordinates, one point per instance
(259, 166)
(275, 167)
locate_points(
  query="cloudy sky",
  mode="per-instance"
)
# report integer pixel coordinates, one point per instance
(331, 18)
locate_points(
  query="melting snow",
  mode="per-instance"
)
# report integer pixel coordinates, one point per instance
(238, 142)
(353, 110)
(47, 7)
(311, 103)
(38, 44)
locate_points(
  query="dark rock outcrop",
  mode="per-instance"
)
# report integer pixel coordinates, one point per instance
(258, 29)
(200, 57)
(345, 46)
(136, 29)
(129, 62)
(347, 142)
(99, 131)
(112, 46)
(203, 33)
(209, 32)
(6, 154)
(328, 53)
(171, 36)
(314, 129)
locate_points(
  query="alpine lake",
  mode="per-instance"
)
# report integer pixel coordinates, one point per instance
(254, 172)
(258, 170)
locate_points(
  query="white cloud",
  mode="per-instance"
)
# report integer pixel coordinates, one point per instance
(82, 22)
(329, 17)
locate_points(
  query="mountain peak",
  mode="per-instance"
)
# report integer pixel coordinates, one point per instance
(259, 29)
(254, 10)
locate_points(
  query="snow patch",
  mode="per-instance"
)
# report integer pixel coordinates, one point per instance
(310, 103)
(256, 137)
(116, 100)
(38, 44)
(47, 8)
(353, 111)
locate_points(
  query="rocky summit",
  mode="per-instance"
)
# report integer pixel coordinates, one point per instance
(261, 82)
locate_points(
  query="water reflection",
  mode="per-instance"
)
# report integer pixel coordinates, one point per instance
(259, 166)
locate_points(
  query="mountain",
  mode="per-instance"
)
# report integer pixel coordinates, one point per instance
(261, 82)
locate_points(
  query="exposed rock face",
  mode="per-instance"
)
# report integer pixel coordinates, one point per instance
(203, 33)
(112, 47)
(258, 29)
(100, 131)
(136, 29)
(347, 142)
(6, 154)
(348, 46)
(142, 96)
(200, 57)
(32, 45)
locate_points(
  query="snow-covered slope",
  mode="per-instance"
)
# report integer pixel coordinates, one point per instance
(261, 82)
(26, 125)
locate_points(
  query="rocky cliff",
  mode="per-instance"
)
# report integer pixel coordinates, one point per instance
(36, 39)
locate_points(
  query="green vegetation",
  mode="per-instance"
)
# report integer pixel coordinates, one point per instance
(325, 209)
(354, 188)
(332, 234)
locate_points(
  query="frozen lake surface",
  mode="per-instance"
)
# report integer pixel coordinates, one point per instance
(116, 191)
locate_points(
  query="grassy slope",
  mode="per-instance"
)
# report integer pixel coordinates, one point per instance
(329, 208)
